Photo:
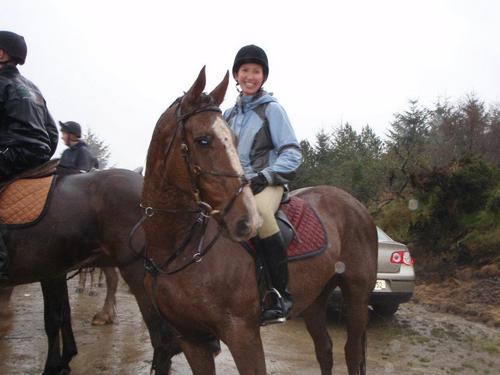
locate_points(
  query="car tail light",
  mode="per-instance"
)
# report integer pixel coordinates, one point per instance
(402, 257)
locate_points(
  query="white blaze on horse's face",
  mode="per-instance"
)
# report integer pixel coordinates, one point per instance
(222, 132)
(253, 220)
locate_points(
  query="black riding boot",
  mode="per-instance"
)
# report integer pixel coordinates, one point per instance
(275, 256)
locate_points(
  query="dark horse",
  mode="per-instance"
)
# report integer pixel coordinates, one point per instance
(205, 284)
(87, 223)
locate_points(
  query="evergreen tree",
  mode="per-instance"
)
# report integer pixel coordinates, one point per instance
(472, 125)
(98, 148)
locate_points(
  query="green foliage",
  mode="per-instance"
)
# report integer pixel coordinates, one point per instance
(455, 201)
(446, 158)
(98, 148)
(345, 159)
(395, 219)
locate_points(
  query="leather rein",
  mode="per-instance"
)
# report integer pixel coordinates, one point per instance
(203, 210)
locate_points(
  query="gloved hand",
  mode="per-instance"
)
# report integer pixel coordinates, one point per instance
(258, 183)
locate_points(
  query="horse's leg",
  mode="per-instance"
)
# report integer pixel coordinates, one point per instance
(244, 342)
(68, 339)
(92, 291)
(199, 356)
(315, 319)
(55, 298)
(356, 298)
(102, 273)
(52, 318)
(5, 293)
(82, 278)
(162, 338)
(107, 314)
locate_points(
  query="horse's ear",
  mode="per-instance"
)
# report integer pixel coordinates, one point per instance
(195, 90)
(220, 91)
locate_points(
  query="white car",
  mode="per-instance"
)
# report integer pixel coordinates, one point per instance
(395, 277)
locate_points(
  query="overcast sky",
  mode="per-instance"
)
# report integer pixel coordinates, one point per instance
(115, 66)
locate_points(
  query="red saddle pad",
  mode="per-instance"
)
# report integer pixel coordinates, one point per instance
(311, 236)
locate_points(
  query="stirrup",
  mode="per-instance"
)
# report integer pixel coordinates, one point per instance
(278, 320)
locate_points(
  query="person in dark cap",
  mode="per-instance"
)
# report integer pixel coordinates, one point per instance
(28, 134)
(270, 155)
(77, 158)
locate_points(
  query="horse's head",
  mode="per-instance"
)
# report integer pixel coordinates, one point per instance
(193, 160)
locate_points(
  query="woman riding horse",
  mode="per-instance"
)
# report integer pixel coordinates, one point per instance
(204, 282)
(270, 155)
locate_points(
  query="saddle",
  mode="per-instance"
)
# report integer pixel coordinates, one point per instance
(304, 236)
(24, 197)
(302, 230)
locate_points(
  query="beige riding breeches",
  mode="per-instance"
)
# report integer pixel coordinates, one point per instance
(268, 201)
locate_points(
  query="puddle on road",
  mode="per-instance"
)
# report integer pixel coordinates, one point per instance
(415, 341)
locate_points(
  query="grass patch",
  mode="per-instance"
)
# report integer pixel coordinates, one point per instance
(490, 348)
(439, 333)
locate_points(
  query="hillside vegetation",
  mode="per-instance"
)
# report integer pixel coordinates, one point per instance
(433, 183)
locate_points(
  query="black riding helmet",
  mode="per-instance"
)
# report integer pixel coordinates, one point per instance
(71, 127)
(251, 54)
(14, 45)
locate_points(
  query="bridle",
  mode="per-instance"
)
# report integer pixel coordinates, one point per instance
(203, 210)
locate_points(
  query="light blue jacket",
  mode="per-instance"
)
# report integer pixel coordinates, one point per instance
(266, 140)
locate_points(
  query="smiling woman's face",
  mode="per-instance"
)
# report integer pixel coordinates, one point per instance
(250, 77)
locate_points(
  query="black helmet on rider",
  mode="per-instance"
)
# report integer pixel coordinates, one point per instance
(14, 45)
(251, 54)
(71, 127)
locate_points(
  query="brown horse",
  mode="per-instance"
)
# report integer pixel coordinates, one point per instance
(86, 224)
(205, 284)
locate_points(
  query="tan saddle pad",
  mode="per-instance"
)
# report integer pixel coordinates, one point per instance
(23, 201)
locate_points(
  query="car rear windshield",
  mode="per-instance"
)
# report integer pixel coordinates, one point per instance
(382, 236)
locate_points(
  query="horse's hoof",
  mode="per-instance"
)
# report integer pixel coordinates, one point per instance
(93, 293)
(101, 320)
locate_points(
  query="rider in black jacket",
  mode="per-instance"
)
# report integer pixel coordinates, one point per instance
(28, 134)
(76, 158)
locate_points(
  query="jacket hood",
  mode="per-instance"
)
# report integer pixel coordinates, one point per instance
(247, 103)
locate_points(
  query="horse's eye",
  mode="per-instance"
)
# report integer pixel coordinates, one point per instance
(204, 140)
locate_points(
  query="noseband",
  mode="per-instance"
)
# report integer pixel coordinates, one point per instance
(203, 210)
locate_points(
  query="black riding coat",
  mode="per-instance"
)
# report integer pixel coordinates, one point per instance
(25, 121)
(76, 159)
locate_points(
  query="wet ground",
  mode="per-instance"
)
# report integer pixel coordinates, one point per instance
(415, 341)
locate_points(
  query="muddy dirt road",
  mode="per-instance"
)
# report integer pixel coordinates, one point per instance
(415, 341)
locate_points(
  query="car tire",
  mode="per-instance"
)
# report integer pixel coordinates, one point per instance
(386, 310)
